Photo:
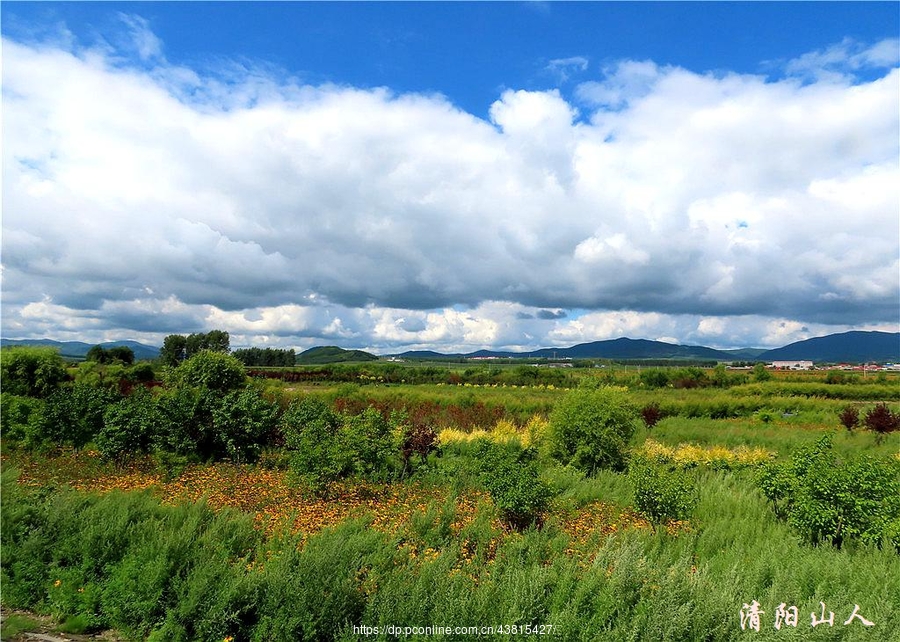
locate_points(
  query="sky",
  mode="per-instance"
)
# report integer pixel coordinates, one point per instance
(450, 176)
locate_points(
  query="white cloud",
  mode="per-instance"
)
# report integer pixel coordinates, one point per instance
(150, 193)
(562, 69)
(839, 62)
(146, 43)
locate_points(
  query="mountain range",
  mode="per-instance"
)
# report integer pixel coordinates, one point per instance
(78, 349)
(849, 347)
(853, 347)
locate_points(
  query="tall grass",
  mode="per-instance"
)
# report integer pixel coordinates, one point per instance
(186, 573)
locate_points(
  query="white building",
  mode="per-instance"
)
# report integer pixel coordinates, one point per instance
(793, 365)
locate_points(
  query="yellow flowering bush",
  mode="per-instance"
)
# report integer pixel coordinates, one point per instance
(691, 455)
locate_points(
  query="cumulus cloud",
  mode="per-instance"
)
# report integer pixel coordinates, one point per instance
(145, 196)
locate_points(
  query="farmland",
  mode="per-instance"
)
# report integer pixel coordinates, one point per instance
(584, 504)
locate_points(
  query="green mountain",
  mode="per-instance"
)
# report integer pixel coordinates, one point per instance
(332, 354)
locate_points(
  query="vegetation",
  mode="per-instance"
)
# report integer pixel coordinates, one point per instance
(661, 494)
(827, 500)
(219, 507)
(333, 354)
(116, 354)
(267, 357)
(590, 429)
(31, 372)
(176, 348)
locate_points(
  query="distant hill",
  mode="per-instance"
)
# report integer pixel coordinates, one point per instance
(427, 354)
(78, 349)
(849, 347)
(332, 354)
(622, 348)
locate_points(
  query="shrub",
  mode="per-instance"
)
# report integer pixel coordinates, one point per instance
(511, 477)
(243, 423)
(213, 370)
(651, 414)
(31, 371)
(880, 419)
(129, 426)
(827, 500)
(661, 494)
(310, 430)
(849, 417)
(368, 445)
(21, 420)
(182, 428)
(590, 429)
(416, 440)
(74, 416)
(655, 378)
(761, 373)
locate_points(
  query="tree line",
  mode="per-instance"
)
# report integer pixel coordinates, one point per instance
(177, 348)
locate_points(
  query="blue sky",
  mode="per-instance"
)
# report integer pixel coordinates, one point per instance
(450, 176)
(471, 51)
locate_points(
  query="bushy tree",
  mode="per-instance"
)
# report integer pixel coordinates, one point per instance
(185, 423)
(73, 416)
(655, 378)
(849, 417)
(511, 477)
(243, 422)
(880, 419)
(829, 500)
(266, 357)
(661, 494)
(21, 419)
(212, 370)
(120, 354)
(761, 373)
(590, 429)
(174, 350)
(130, 426)
(31, 371)
(310, 429)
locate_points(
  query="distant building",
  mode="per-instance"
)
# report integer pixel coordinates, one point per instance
(792, 365)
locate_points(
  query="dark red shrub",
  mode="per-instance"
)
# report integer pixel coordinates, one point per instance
(881, 419)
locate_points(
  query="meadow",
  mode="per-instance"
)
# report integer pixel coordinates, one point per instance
(484, 503)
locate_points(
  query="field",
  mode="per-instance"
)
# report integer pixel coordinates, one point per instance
(375, 509)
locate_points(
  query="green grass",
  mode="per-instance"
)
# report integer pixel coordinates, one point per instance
(186, 572)
(16, 624)
(782, 436)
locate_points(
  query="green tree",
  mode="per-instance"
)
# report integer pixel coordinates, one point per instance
(310, 430)
(174, 350)
(243, 422)
(129, 426)
(213, 370)
(590, 429)
(73, 416)
(761, 373)
(31, 371)
(124, 354)
(512, 478)
(833, 501)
